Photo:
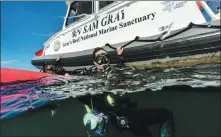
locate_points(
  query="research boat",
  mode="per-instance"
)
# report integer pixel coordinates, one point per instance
(148, 30)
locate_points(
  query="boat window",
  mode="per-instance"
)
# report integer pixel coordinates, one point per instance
(103, 4)
(78, 8)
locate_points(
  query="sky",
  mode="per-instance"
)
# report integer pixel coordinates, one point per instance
(25, 26)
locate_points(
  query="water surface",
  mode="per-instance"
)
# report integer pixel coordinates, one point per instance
(191, 93)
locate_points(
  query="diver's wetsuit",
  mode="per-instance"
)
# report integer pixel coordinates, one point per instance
(58, 69)
(108, 72)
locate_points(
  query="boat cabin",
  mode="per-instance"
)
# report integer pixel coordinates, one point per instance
(78, 10)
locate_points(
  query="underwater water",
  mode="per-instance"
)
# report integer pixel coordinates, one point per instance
(191, 93)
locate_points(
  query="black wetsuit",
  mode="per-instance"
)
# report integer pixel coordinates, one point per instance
(58, 69)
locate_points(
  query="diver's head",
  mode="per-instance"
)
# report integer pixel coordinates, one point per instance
(48, 68)
(100, 58)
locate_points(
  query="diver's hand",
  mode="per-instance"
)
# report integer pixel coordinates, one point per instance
(119, 51)
(58, 58)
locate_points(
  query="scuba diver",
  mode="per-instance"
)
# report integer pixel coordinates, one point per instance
(102, 66)
(55, 68)
(117, 75)
(117, 109)
(101, 59)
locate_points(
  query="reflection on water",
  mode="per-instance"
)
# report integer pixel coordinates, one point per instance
(17, 98)
(195, 76)
(20, 97)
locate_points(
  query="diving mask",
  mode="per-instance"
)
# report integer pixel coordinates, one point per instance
(49, 68)
(102, 59)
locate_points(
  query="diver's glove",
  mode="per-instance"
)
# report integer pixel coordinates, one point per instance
(120, 63)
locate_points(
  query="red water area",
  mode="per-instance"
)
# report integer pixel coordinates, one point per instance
(10, 75)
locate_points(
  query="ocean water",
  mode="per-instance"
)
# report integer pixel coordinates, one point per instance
(191, 93)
